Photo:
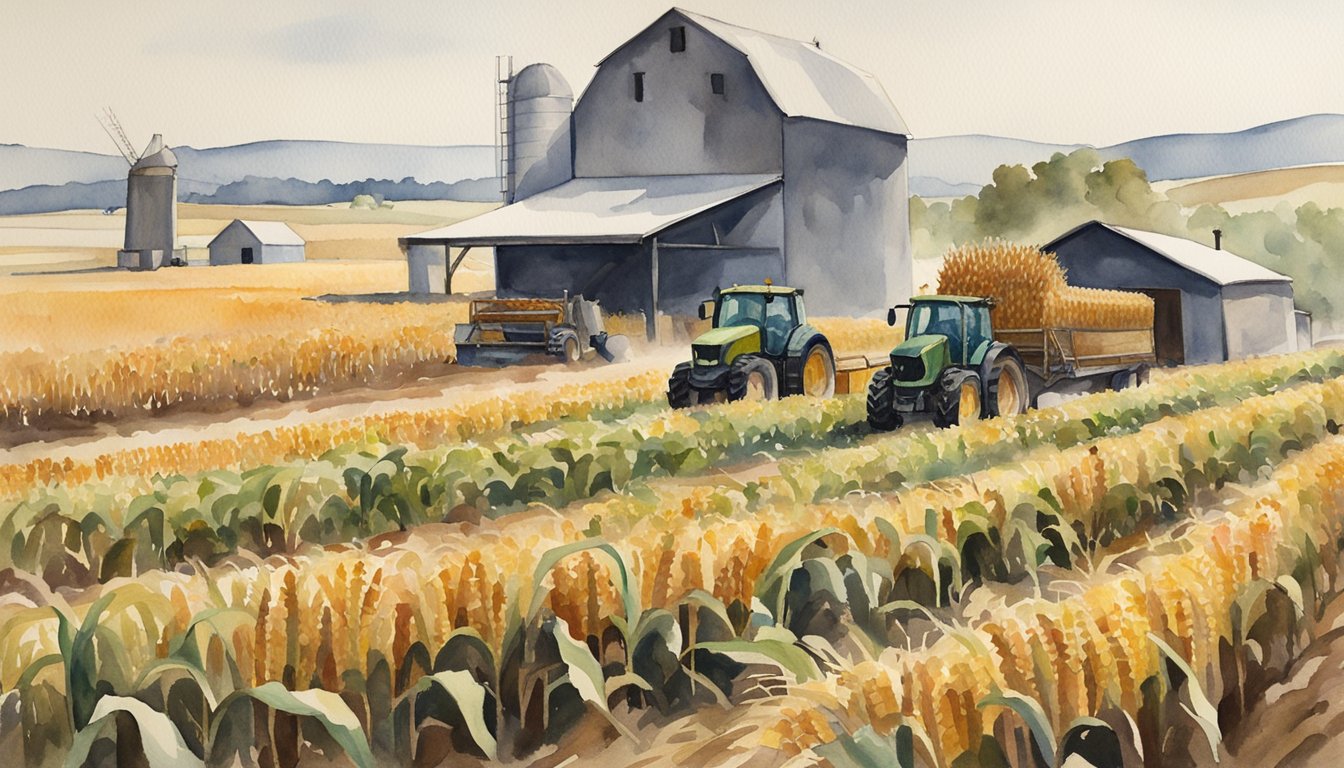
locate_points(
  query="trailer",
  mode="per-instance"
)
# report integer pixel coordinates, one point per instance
(512, 331)
(1061, 360)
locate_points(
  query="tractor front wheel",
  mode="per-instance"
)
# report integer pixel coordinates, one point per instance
(752, 378)
(882, 415)
(680, 393)
(961, 400)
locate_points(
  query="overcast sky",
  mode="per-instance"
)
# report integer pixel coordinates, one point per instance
(421, 71)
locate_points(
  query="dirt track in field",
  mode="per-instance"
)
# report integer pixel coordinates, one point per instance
(444, 386)
(1300, 721)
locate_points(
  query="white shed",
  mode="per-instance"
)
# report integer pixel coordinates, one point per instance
(256, 242)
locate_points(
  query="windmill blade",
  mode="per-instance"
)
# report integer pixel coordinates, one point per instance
(112, 127)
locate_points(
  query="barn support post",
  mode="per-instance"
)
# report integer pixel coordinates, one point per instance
(451, 268)
(651, 322)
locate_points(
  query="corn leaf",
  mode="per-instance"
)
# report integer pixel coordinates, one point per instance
(324, 706)
(470, 698)
(162, 745)
(1032, 713)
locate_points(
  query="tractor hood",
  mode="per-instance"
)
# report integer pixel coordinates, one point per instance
(917, 361)
(918, 346)
(721, 346)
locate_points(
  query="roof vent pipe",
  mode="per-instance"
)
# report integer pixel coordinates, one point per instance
(1217, 239)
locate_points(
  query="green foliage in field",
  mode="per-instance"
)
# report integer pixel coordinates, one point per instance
(99, 532)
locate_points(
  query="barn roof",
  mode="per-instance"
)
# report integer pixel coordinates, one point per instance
(269, 232)
(621, 209)
(805, 81)
(1221, 267)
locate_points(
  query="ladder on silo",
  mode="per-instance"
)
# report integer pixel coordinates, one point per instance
(503, 161)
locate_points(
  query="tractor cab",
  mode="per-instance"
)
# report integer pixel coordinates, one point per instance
(940, 331)
(772, 311)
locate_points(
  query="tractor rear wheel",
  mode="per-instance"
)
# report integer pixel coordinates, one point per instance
(882, 415)
(680, 393)
(1006, 392)
(818, 371)
(960, 402)
(752, 378)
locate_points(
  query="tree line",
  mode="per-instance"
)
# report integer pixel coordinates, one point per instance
(1038, 204)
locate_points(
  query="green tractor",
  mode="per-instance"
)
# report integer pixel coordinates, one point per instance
(760, 348)
(949, 366)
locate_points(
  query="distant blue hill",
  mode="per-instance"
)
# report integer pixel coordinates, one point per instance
(1306, 140)
(945, 166)
(312, 161)
(954, 162)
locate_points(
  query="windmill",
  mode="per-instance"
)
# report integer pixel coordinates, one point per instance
(151, 199)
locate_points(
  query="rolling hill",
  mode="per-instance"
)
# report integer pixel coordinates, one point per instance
(943, 166)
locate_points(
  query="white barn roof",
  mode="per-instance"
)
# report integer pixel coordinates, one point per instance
(622, 209)
(1222, 267)
(270, 232)
(805, 81)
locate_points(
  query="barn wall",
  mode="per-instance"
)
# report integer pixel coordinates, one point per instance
(280, 254)
(1096, 257)
(681, 127)
(753, 226)
(425, 268)
(227, 246)
(1260, 319)
(846, 209)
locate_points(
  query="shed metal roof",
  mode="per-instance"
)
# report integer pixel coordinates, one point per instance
(620, 209)
(269, 232)
(805, 81)
(1221, 267)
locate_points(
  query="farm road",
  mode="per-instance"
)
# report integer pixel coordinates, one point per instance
(452, 386)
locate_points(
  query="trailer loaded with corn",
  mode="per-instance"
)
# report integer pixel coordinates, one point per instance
(1004, 329)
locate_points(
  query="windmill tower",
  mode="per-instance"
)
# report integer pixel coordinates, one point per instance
(151, 201)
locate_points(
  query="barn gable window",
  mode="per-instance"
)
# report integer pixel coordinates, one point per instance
(639, 86)
(678, 41)
(716, 83)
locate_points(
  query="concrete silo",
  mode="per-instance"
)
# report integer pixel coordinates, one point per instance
(540, 153)
(151, 209)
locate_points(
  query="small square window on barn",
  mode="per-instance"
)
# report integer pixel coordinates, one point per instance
(639, 86)
(716, 83)
(678, 41)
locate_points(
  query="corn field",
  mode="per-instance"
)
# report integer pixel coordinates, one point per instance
(476, 582)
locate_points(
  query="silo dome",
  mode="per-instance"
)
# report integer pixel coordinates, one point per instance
(540, 156)
(537, 81)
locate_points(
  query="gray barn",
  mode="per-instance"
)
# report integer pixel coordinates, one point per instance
(704, 154)
(1210, 305)
(256, 242)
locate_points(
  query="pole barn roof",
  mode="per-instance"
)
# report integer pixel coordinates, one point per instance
(621, 209)
(1220, 267)
(805, 81)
